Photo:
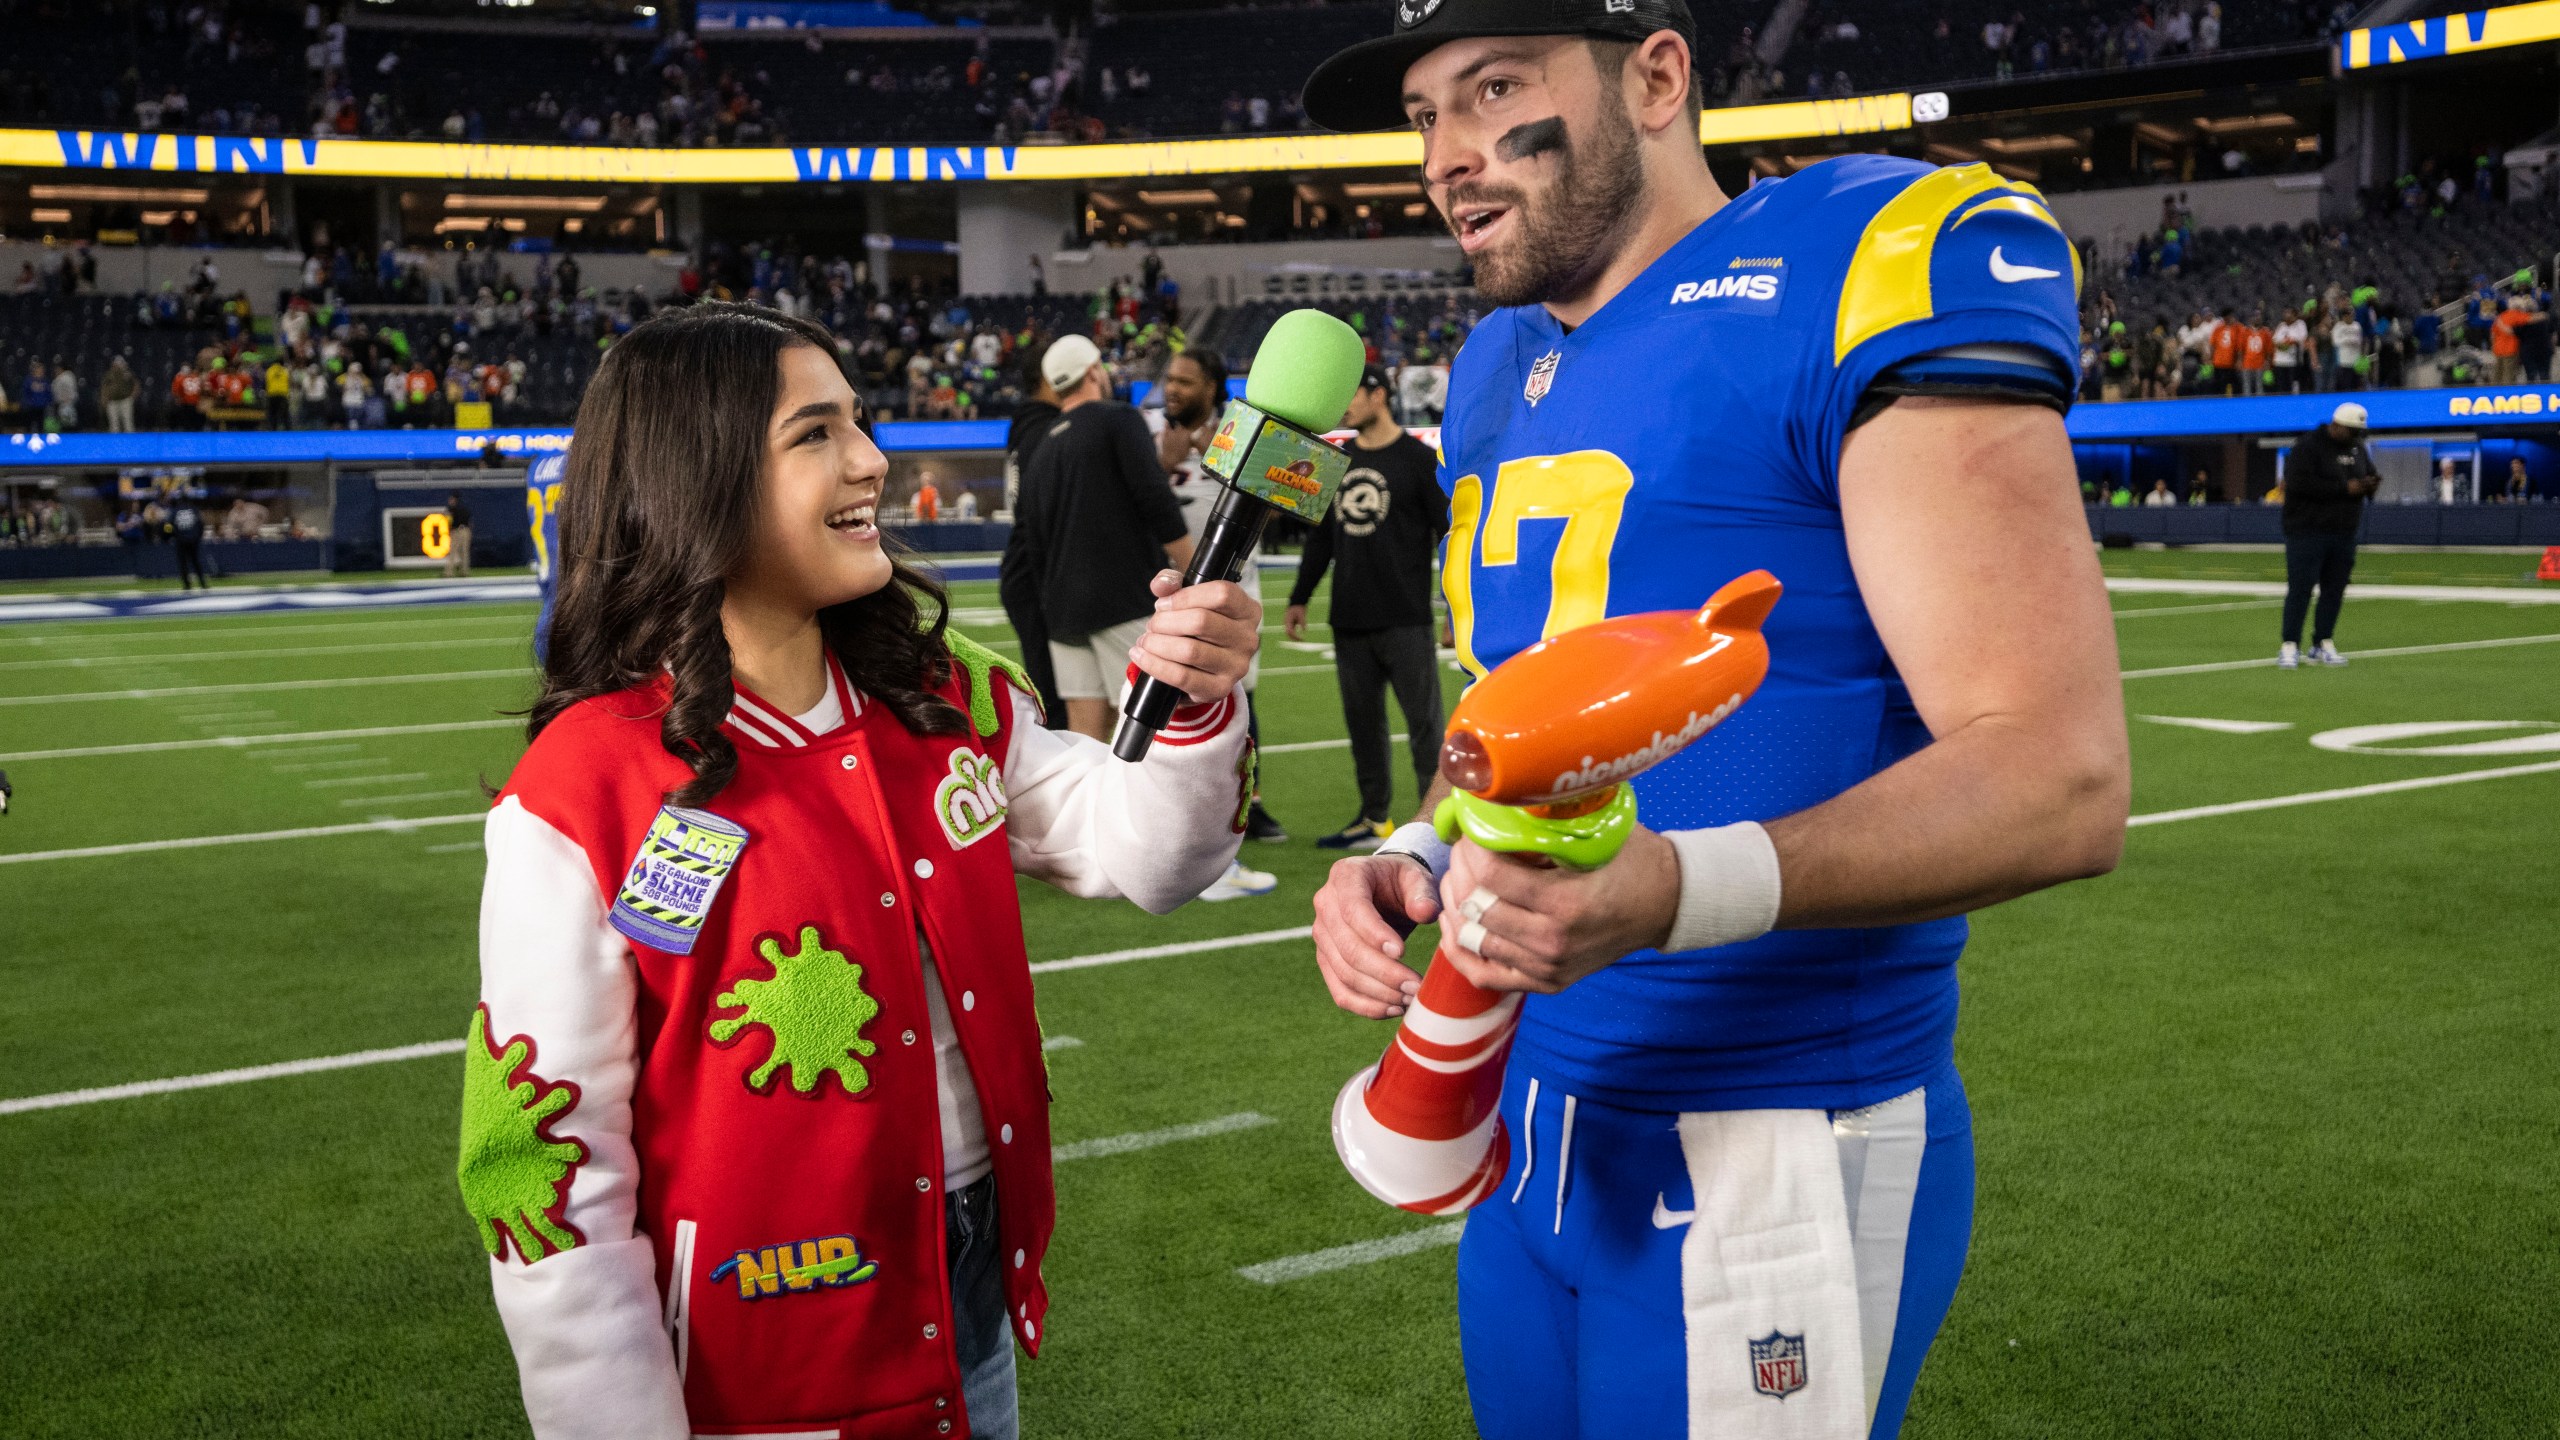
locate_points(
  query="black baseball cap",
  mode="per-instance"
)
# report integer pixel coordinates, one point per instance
(1362, 88)
(1373, 377)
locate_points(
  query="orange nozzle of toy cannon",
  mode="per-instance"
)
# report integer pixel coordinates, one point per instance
(1576, 713)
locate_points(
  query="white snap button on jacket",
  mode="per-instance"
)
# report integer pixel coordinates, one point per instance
(924, 869)
(1005, 1134)
(847, 762)
(888, 899)
(1017, 1259)
(968, 999)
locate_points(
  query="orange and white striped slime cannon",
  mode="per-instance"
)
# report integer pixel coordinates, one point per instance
(1540, 751)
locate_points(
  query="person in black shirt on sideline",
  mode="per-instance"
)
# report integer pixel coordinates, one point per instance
(1017, 579)
(1386, 522)
(457, 515)
(2326, 480)
(1100, 520)
(186, 529)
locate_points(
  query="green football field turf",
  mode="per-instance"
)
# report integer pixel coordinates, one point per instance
(2264, 1118)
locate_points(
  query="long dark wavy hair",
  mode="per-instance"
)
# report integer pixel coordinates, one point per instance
(658, 509)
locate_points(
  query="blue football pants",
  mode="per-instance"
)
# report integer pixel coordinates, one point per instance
(1569, 1275)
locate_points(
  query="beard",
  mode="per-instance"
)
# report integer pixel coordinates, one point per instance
(1567, 233)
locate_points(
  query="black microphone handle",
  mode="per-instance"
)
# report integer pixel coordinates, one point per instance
(1234, 528)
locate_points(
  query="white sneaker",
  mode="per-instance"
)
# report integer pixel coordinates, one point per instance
(2289, 657)
(1239, 882)
(2328, 654)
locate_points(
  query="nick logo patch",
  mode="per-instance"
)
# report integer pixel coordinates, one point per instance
(1777, 1365)
(683, 861)
(833, 1262)
(1542, 377)
(970, 801)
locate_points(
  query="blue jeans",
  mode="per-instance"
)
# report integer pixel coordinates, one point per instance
(979, 1331)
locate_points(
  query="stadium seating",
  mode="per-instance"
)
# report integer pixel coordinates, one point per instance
(66, 64)
(2280, 266)
(1399, 326)
(1899, 42)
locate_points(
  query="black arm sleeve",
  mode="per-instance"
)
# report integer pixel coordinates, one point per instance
(1312, 565)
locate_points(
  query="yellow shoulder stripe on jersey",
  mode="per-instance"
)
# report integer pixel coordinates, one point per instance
(2021, 204)
(1888, 280)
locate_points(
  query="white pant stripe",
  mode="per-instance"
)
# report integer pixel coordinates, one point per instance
(1880, 1151)
(1528, 1140)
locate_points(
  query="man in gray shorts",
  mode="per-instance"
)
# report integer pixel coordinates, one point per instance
(1101, 520)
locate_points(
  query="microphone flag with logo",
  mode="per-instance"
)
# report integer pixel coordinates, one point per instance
(1270, 455)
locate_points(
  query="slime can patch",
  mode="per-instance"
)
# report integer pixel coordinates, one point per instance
(667, 893)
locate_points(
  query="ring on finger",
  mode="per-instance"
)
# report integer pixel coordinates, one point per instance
(1471, 936)
(1479, 904)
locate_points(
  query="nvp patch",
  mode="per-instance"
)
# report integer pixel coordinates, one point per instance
(794, 1266)
(667, 893)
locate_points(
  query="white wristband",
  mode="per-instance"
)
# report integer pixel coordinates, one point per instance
(1420, 841)
(1728, 886)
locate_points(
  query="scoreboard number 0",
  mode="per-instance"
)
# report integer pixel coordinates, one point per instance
(435, 535)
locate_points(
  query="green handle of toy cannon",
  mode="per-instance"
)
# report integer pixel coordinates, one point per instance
(1584, 842)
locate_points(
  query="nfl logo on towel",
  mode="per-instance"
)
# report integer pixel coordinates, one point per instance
(1542, 377)
(1777, 1365)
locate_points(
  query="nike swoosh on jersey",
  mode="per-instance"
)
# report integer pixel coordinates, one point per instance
(1665, 1218)
(2008, 274)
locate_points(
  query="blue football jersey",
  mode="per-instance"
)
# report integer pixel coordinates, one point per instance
(1690, 432)
(542, 517)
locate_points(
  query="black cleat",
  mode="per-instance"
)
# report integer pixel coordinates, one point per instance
(1258, 825)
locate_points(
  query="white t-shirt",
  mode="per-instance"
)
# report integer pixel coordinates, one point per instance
(2290, 337)
(2348, 339)
(965, 1160)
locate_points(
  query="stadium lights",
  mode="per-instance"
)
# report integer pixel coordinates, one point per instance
(579, 204)
(1378, 190)
(1167, 199)
(117, 195)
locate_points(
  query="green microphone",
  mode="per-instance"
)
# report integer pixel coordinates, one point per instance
(1270, 453)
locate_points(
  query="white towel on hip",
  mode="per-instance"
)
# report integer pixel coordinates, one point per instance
(1769, 1281)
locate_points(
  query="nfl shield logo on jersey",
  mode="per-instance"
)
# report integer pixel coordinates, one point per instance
(1777, 1365)
(1542, 377)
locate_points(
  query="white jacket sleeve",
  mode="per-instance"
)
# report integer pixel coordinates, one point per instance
(592, 1353)
(1157, 833)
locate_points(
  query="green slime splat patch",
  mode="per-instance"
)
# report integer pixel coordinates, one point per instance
(978, 660)
(513, 1172)
(814, 1007)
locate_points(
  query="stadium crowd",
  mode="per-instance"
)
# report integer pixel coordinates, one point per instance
(2422, 291)
(389, 345)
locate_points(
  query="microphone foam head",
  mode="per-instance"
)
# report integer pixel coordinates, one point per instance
(1307, 370)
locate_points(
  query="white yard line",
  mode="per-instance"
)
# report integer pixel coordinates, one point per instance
(2351, 792)
(2219, 727)
(264, 686)
(1186, 947)
(62, 1098)
(201, 656)
(1150, 1139)
(2144, 614)
(237, 742)
(91, 635)
(1343, 1257)
(199, 842)
(455, 848)
(2269, 661)
(362, 780)
(1296, 746)
(1060, 1042)
(2265, 589)
(407, 799)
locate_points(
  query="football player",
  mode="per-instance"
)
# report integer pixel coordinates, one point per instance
(1741, 1181)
